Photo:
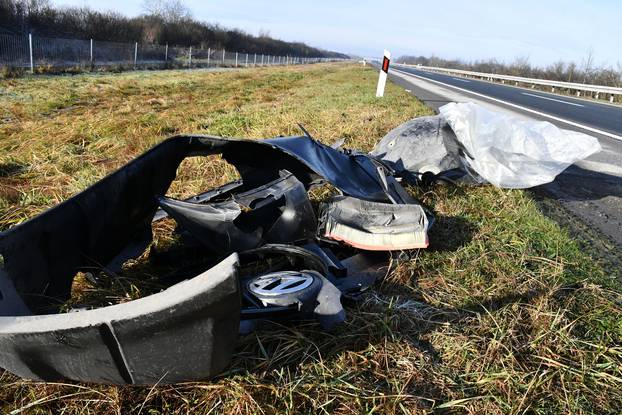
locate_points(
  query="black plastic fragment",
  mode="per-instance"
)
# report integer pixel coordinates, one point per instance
(277, 212)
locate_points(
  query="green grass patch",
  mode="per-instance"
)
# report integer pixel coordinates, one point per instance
(504, 313)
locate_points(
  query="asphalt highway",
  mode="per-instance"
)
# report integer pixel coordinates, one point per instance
(604, 117)
(587, 197)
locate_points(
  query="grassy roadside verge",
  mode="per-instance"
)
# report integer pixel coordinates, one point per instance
(503, 314)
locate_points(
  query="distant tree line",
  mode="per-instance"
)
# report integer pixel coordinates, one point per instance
(586, 72)
(164, 21)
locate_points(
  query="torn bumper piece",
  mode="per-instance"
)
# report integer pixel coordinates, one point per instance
(150, 340)
(374, 226)
(186, 332)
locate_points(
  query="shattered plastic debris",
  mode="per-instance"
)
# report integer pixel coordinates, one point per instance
(277, 212)
(241, 279)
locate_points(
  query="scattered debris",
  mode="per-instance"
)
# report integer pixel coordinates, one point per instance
(256, 245)
(258, 249)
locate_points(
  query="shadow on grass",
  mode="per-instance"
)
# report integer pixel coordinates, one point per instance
(451, 233)
(380, 334)
(12, 169)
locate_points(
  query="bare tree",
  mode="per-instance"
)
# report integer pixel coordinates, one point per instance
(571, 72)
(588, 65)
(619, 80)
(556, 71)
(171, 11)
(520, 66)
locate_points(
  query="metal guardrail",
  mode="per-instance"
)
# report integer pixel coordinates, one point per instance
(598, 89)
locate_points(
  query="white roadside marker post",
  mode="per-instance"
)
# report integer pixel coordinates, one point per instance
(384, 70)
(135, 54)
(32, 64)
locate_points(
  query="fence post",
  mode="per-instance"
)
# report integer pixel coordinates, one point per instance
(223, 57)
(236, 59)
(91, 52)
(166, 53)
(190, 56)
(255, 60)
(32, 63)
(135, 54)
(246, 62)
(262, 59)
(209, 52)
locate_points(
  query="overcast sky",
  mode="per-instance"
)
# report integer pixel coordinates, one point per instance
(543, 30)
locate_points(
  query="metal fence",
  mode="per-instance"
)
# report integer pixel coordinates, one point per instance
(40, 54)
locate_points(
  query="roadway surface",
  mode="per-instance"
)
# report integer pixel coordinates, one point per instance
(587, 197)
(603, 117)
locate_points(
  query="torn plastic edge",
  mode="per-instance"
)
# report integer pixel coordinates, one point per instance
(276, 212)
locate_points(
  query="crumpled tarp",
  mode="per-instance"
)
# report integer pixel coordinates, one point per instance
(423, 144)
(471, 142)
(513, 153)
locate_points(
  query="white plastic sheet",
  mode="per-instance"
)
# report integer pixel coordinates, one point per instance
(512, 153)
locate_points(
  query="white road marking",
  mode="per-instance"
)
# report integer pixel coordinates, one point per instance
(460, 79)
(553, 99)
(574, 124)
(600, 167)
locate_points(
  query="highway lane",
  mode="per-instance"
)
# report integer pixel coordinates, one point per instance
(604, 117)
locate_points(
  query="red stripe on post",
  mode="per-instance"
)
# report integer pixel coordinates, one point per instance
(385, 65)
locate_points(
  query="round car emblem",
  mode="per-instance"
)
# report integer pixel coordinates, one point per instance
(280, 283)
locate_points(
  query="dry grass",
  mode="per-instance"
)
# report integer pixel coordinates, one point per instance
(503, 314)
